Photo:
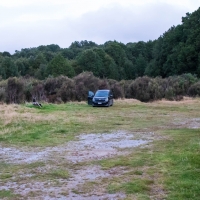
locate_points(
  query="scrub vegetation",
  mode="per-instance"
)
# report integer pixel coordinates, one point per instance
(167, 167)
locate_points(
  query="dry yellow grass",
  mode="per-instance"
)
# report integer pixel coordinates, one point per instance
(186, 100)
(128, 101)
(14, 113)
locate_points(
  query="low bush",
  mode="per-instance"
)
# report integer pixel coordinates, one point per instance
(64, 89)
(15, 90)
(194, 90)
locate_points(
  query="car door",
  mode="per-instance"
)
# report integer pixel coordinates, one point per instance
(111, 98)
(90, 97)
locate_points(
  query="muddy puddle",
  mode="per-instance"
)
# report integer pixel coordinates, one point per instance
(87, 147)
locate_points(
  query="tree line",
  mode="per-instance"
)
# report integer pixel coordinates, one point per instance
(175, 52)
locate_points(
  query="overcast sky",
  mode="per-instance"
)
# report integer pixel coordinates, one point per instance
(31, 23)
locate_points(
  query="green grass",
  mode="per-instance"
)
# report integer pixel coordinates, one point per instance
(176, 160)
(132, 187)
(53, 124)
(58, 173)
(7, 194)
(183, 166)
(169, 166)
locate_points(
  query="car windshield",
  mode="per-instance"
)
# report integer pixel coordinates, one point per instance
(101, 93)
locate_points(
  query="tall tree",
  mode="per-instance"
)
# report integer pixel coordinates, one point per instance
(8, 68)
(116, 51)
(90, 61)
(60, 66)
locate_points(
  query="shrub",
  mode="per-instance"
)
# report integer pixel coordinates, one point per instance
(103, 84)
(67, 91)
(139, 89)
(116, 89)
(84, 82)
(181, 84)
(169, 94)
(156, 89)
(194, 89)
(52, 87)
(3, 85)
(2, 94)
(125, 87)
(15, 90)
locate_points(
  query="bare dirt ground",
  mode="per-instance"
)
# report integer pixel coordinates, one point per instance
(87, 148)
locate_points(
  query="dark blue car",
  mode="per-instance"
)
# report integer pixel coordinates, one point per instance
(100, 98)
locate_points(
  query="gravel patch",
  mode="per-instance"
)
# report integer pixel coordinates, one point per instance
(87, 147)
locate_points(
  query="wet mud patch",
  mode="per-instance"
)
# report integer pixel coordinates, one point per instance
(34, 184)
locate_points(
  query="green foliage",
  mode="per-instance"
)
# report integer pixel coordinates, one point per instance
(8, 68)
(117, 52)
(23, 66)
(140, 65)
(60, 66)
(108, 66)
(90, 61)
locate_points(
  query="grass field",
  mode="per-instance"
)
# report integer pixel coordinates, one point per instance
(168, 167)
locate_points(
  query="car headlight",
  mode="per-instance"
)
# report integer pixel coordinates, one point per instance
(106, 99)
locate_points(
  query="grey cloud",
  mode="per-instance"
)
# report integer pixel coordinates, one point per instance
(124, 24)
(129, 24)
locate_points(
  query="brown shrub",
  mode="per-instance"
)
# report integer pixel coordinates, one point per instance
(67, 91)
(15, 90)
(194, 90)
(85, 82)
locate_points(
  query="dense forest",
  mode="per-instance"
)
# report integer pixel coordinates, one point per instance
(176, 53)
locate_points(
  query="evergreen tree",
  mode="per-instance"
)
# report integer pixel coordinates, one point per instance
(60, 66)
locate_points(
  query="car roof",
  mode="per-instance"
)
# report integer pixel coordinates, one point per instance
(103, 90)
